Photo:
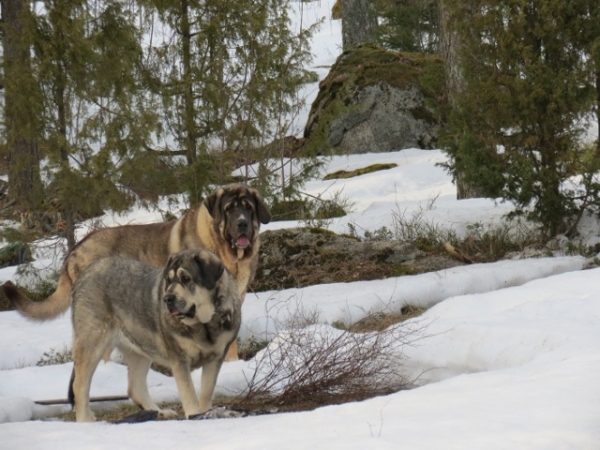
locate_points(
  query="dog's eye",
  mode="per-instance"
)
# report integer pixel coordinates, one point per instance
(184, 278)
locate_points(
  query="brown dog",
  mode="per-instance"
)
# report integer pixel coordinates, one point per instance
(227, 223)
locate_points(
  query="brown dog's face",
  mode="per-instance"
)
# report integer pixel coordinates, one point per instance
(190, 278)
(237, 211)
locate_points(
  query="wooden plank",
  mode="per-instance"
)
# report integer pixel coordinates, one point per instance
(64, 401)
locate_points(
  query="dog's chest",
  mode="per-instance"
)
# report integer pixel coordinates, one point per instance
(200, 350)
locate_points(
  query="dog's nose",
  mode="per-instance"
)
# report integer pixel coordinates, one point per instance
(169, 299)
(242, 225)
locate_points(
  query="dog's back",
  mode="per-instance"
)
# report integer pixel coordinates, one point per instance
(148, 243)
(116, 289)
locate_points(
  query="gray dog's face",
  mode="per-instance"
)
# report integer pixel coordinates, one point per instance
(190, 279)
(237, 211)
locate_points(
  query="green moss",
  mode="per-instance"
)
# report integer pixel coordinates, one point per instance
(403, 269)
(370, 64)
(303, 209)
(427, 246)
(362, 171)
(328, 210)
(293, 209)
(321, 231)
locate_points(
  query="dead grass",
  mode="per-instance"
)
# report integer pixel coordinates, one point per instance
(382, 321)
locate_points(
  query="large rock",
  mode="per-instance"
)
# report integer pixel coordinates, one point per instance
(375, 100)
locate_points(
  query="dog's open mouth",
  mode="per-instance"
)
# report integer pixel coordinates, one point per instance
(175, 312)
(242, 242)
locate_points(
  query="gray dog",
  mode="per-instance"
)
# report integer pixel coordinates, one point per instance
(184, 316)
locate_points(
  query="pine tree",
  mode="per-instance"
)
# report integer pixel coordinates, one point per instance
(587, 35)
(86, 57)
(226, 72)
(515, 127)
(409, 25)
(21, 104)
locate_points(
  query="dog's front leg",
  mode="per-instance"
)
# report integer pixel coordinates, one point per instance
(210, 372)
(137, 386)
(187, 393)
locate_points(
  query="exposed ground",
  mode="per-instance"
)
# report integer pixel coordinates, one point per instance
(295, 258)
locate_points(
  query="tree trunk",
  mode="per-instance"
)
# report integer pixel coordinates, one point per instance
(188, 96)
(62, 107)
(455, 84)
(19, 109)
(359, 22)
(449, 45)
(598, 111)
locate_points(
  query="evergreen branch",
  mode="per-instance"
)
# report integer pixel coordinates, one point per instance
(169, 153)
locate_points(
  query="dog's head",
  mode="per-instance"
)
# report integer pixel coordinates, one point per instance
(237, 211)
(195, 286)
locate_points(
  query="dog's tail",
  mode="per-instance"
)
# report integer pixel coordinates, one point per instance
(43, 310)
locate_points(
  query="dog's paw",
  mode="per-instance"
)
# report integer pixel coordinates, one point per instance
(166, 414)
(87, 418)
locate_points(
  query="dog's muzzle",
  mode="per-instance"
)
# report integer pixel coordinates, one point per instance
(176, 307)
(242, 241)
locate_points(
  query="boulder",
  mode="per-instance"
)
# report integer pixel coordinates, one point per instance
(376, 100)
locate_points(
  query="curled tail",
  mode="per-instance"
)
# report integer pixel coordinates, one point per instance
(43, 310)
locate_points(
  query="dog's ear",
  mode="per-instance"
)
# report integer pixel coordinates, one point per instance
(211, 270)
(212, 204)
(170, 262)
(262, 210)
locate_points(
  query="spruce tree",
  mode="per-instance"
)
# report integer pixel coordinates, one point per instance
(515, 127)
(409, 25)
(86, 57)
(587, 35)
(227, 71)
(21, 106)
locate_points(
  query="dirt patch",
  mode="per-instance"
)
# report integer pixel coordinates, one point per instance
(296, 258)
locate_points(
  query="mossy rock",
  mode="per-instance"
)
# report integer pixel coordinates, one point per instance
(377, 100)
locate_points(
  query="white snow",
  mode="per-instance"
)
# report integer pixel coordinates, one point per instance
(508, 354)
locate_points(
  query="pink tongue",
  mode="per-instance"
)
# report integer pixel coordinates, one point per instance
(242, 241)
